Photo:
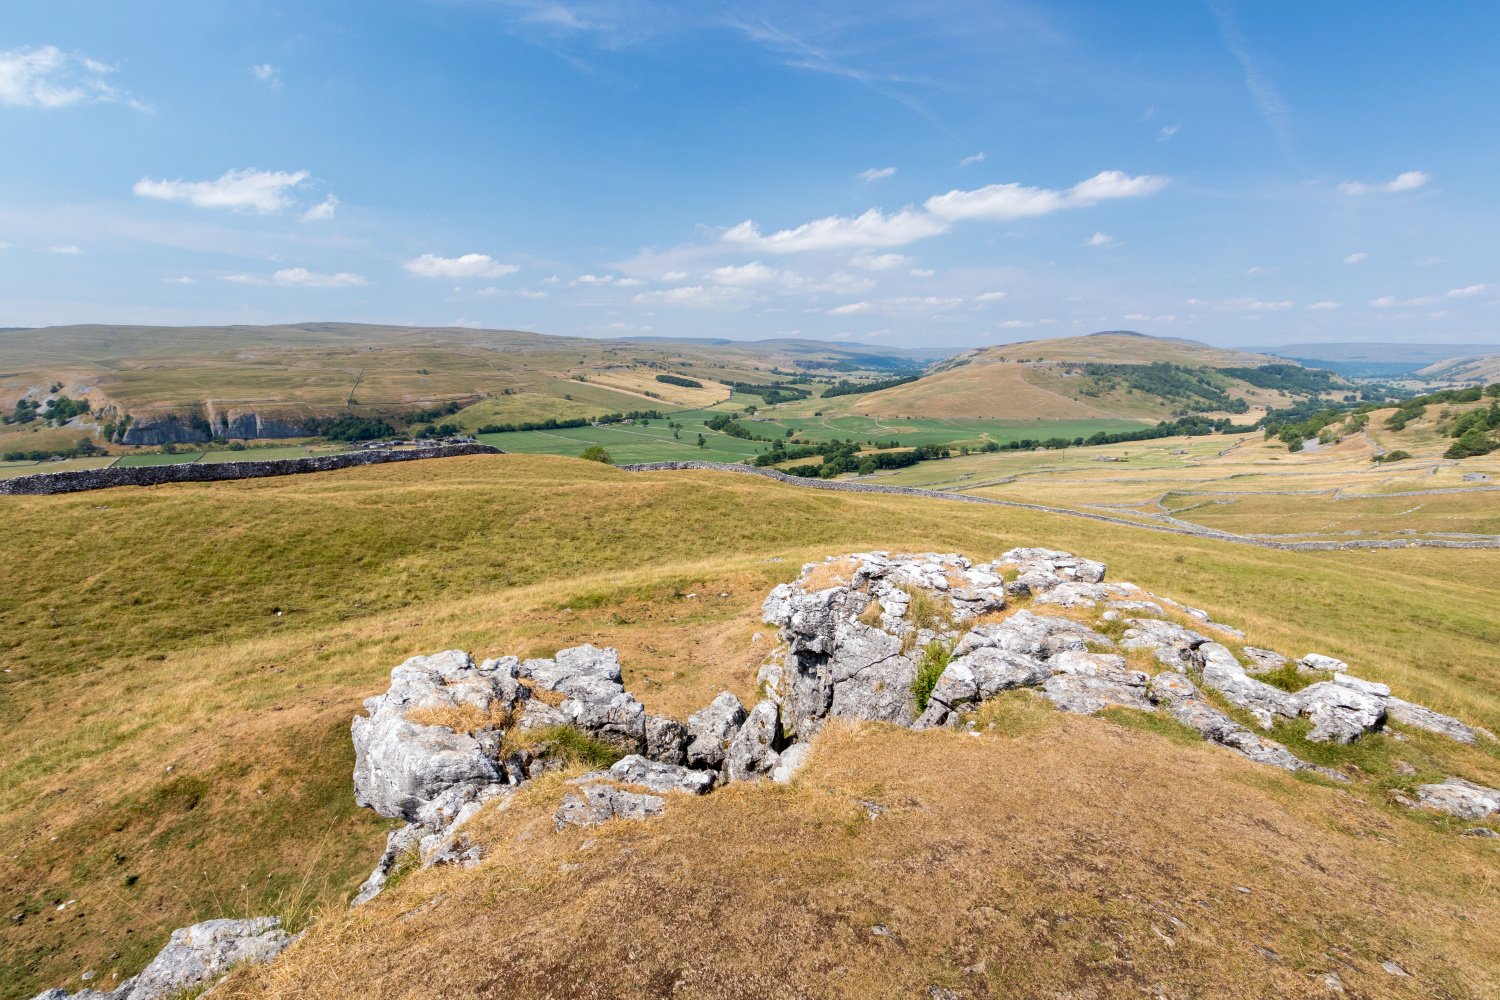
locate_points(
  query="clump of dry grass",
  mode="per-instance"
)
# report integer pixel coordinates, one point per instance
(830, 573)
(466, 719)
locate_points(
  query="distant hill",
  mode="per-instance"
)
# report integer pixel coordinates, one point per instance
(1111, 374)
(1379, 360)
(1483, 368)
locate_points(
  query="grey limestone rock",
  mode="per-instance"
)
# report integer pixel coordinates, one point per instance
(1223, 673)
(1318, 663)
(594, 804)
(1033, 635)
(595, 698)
(1173, 645)
(194, 958)
(398, 764)
(1263, 660)
(1182, 700)
(1460, 798)
(660, 777)
(752, 754)
(1091, 682)
(977, 676)
(1343, 709)
(1426, 718)
(790, 762)
(710, 731)
(666, 739)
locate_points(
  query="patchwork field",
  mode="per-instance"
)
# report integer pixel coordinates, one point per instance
(180, 679)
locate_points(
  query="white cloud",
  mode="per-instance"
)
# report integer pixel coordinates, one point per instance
(4, 246)
(1355, 258)
(878, 262)
(1099, 240)
(531, 293)
(852, 309)
(701, 296)
(1408, 181)
(744, 276)
(993, 203)
(1466, 291)
(969, 161)
(872, 229)
(1258, 305)
(469, 265)
(183, 280)
(922, 272)
(267, 74)
(1385, 302)
(675, 276)
(68, 249)
(323, 210)
(989, 297)
(1324, 306)
(1017, 324)
(263, 191)
(50, 78)
(875, 174)
(302, 277)
(1166, 132)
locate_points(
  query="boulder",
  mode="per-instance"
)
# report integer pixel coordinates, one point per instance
(194, 959)
(1435, 722)
(1460, 798)
(790, 762)
(399, 764)
(594, 804)
(977, 676)
(1171, 644)
(595, 698)
(711, 730)
(1341, 711)
(660, 777)
(1223, 673)
(1183, 701)
(1263, 660)
(666, 740)
(1318, 663)
(752, 753)
(1091, 682)
(1033, 635)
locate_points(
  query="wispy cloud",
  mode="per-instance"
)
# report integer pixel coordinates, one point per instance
(48, 77)
(1099, 240)
(68, 250)
(322, 211)
(1326, 305)
(879, 262)
(1463, 292)
(1166, 132)
(300, 277)
(1355, 258)
(876, 174)
(993, 203)
(1263, 92)
(1410, 180)
(969, 161)
(267, 74)
(469, 265)
(261, 191)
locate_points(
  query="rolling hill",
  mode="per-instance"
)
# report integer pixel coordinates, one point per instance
(1103, 375)
(1472, 369)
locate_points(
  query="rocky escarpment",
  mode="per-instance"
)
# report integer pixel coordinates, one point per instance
(49, 483)
(213, 423)
(920, 641)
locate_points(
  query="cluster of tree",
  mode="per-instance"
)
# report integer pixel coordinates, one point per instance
(686, 383)
(352, 428)
(1473, 432)
(1292, 379)
(434, 431)
(846, 458)
(553, 424)
(781, 451)
(847, 388)
(428, 416)
(86, 448)
(1192, 390)
(771, 394)
(60, 409)
(725, 423)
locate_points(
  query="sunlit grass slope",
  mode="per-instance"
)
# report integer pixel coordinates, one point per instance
(182, 663)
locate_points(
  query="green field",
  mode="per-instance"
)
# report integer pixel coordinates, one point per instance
(654, 442)
(137, 461)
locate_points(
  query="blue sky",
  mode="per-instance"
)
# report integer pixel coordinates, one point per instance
(936, 174)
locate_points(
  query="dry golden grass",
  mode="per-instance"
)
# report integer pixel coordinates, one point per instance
(1052, 857)
(140, 631)
(833, 573)
(461, 718)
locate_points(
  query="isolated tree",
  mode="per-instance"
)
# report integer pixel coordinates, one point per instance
(702, 441)
(596, 453)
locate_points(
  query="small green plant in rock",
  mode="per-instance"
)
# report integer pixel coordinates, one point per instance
(934, 661)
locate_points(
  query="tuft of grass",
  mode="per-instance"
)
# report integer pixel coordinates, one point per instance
(928, 611)
(1289, 678)
(934, 661)
(870, 616)
(572, 746)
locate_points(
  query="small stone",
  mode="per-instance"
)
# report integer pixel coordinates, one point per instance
(1390, 966)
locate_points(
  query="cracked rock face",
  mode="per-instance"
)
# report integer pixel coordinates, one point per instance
(711, 730)
(599, 803)
(753, 754)
(661, 777)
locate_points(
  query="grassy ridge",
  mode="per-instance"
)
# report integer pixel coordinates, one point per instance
(229, 631)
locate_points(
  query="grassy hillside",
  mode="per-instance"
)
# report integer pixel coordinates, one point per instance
(1102, 375)
(182, 664)
(1483, 369)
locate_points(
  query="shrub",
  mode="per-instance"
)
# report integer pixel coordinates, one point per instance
(596, 453)
(686, 383)
(1392, 456)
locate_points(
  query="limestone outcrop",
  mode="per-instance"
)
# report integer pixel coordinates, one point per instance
(193, 959)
